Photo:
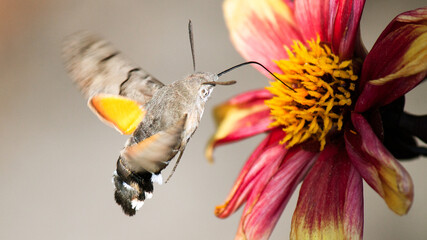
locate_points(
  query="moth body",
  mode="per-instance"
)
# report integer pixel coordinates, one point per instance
(183, 99)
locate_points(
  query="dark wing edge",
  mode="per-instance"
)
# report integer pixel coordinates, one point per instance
(95, 66)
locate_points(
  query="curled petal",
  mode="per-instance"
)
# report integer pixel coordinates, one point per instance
(378, 167)
(360, 51)
(330, 203)
(397, 61)
(336, 22)
(268, 199)
(242, 116)
(416, 16)
(259, 29)
(266, 158)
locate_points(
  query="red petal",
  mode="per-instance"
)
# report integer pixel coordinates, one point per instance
(330, 204)
(243, 116)
(260, 29)
(268, 199)
(336, 22)
(378, 167)
(396, 63)
(267, 156)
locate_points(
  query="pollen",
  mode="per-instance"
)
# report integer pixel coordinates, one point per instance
(322, 88)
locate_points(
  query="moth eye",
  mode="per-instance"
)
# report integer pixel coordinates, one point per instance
(203, 92)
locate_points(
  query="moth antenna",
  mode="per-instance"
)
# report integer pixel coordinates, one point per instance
(174, 167)
(254, 62)
(190, 34)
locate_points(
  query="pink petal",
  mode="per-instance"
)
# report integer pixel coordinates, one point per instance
(353, 219)
(335, 21)
(378, 167)
(250, 98)
(266, 158)
(268, 199)
(242, 116)
(330, 204)
(290, 4)
(260, 29)
(396, 63)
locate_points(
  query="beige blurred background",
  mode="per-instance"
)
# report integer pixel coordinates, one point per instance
(57, 158)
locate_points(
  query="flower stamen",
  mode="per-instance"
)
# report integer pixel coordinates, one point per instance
(323, 86)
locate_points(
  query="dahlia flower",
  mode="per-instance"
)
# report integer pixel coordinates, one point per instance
(327, 131)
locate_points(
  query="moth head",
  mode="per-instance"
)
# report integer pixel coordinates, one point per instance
(207, 83)
(205, 88)
(205, 92)
(130, 193)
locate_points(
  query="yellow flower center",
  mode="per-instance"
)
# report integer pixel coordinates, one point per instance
(323, 87)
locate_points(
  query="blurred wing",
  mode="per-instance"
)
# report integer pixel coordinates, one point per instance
(98, 68)
(154, 153)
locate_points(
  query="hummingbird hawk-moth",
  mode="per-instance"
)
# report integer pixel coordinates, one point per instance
(160, 118)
